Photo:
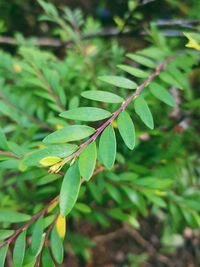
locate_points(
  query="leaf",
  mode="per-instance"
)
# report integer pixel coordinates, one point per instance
(119, 81)
(142, 60)
(3, 140)
(162, 94)
(49, 161)
(69, 190)
(102, 96)
(87, 161)
(13, 216)
(133, 71)
(69, 134)
(60, 150)
(5, 234)
(194, 40)
(86, 114)
(46, 258)
(56, 246)
(19, 250)
(107, 147)
(3, 252)
(126, 129)
(37, 236)
(61, 226)
(114, 192)
(169, 79)
(143, 111)
(82, 207)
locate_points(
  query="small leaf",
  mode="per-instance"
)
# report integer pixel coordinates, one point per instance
(126, 129)
(86, 114)
(107, 147)
(143, 111)
(59, 150)
(37, 236)
(19, 250)
(46, 258)
(69, 190)
(87, 161)
(102, 96)
(119, 81)
(13, 216)
(61, 226)
(194, 40)
(169, 79)
(57, 246)
(49, 161)
(69, 134)
(3, 140)
(162, 94)
(5, 234)
(82, 207)
(142, 60)
(133, 71)
(114, 192)
(3, 252)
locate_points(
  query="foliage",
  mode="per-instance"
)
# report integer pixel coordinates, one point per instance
(66, 117)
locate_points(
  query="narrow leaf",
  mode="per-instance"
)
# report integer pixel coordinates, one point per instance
(119, 81)
(61, 226)
(3, 140)
(47, 261)
(142, 60)
(107, 147)
(126, 129)
(87, 161)
(13, 217)
(5, 234)
(133, 71)
(69, 134)
(19, 250)
(162, 94)
(143, 111)
(49, 161)
(37, 236)
(86, 114)
(57, 246)
(3, 252)
(102, 96)
(69, 190)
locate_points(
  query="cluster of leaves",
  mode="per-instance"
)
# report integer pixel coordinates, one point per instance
(43, 97)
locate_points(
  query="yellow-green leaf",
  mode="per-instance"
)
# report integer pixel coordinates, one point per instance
(49, 161)
(61, 226)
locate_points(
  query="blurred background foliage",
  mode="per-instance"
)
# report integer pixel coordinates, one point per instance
(157, 225)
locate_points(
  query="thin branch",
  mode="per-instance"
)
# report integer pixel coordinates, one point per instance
(9, 154)
(49, 88)
(56, 168)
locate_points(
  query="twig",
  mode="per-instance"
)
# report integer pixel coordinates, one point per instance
(56, 168)
(9, 154)
(48, 87)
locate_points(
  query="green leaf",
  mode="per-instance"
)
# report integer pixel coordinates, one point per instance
(143, 111)
(13, 216)
(3, 140)
(133, 71)
(46, 258)
(3, 252)
(162, 94)
(82, 207)
(107, 147)
(87, 161)
(102, 96)
(119, 81)
(169, 79)
(60, 150)
(69, 134)
(19, 250)
(5, 234)
(57, 246)
(113, 192)
(69, 190)
(142, 60)
(126, 129)
(86, 114)
(37, 236)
